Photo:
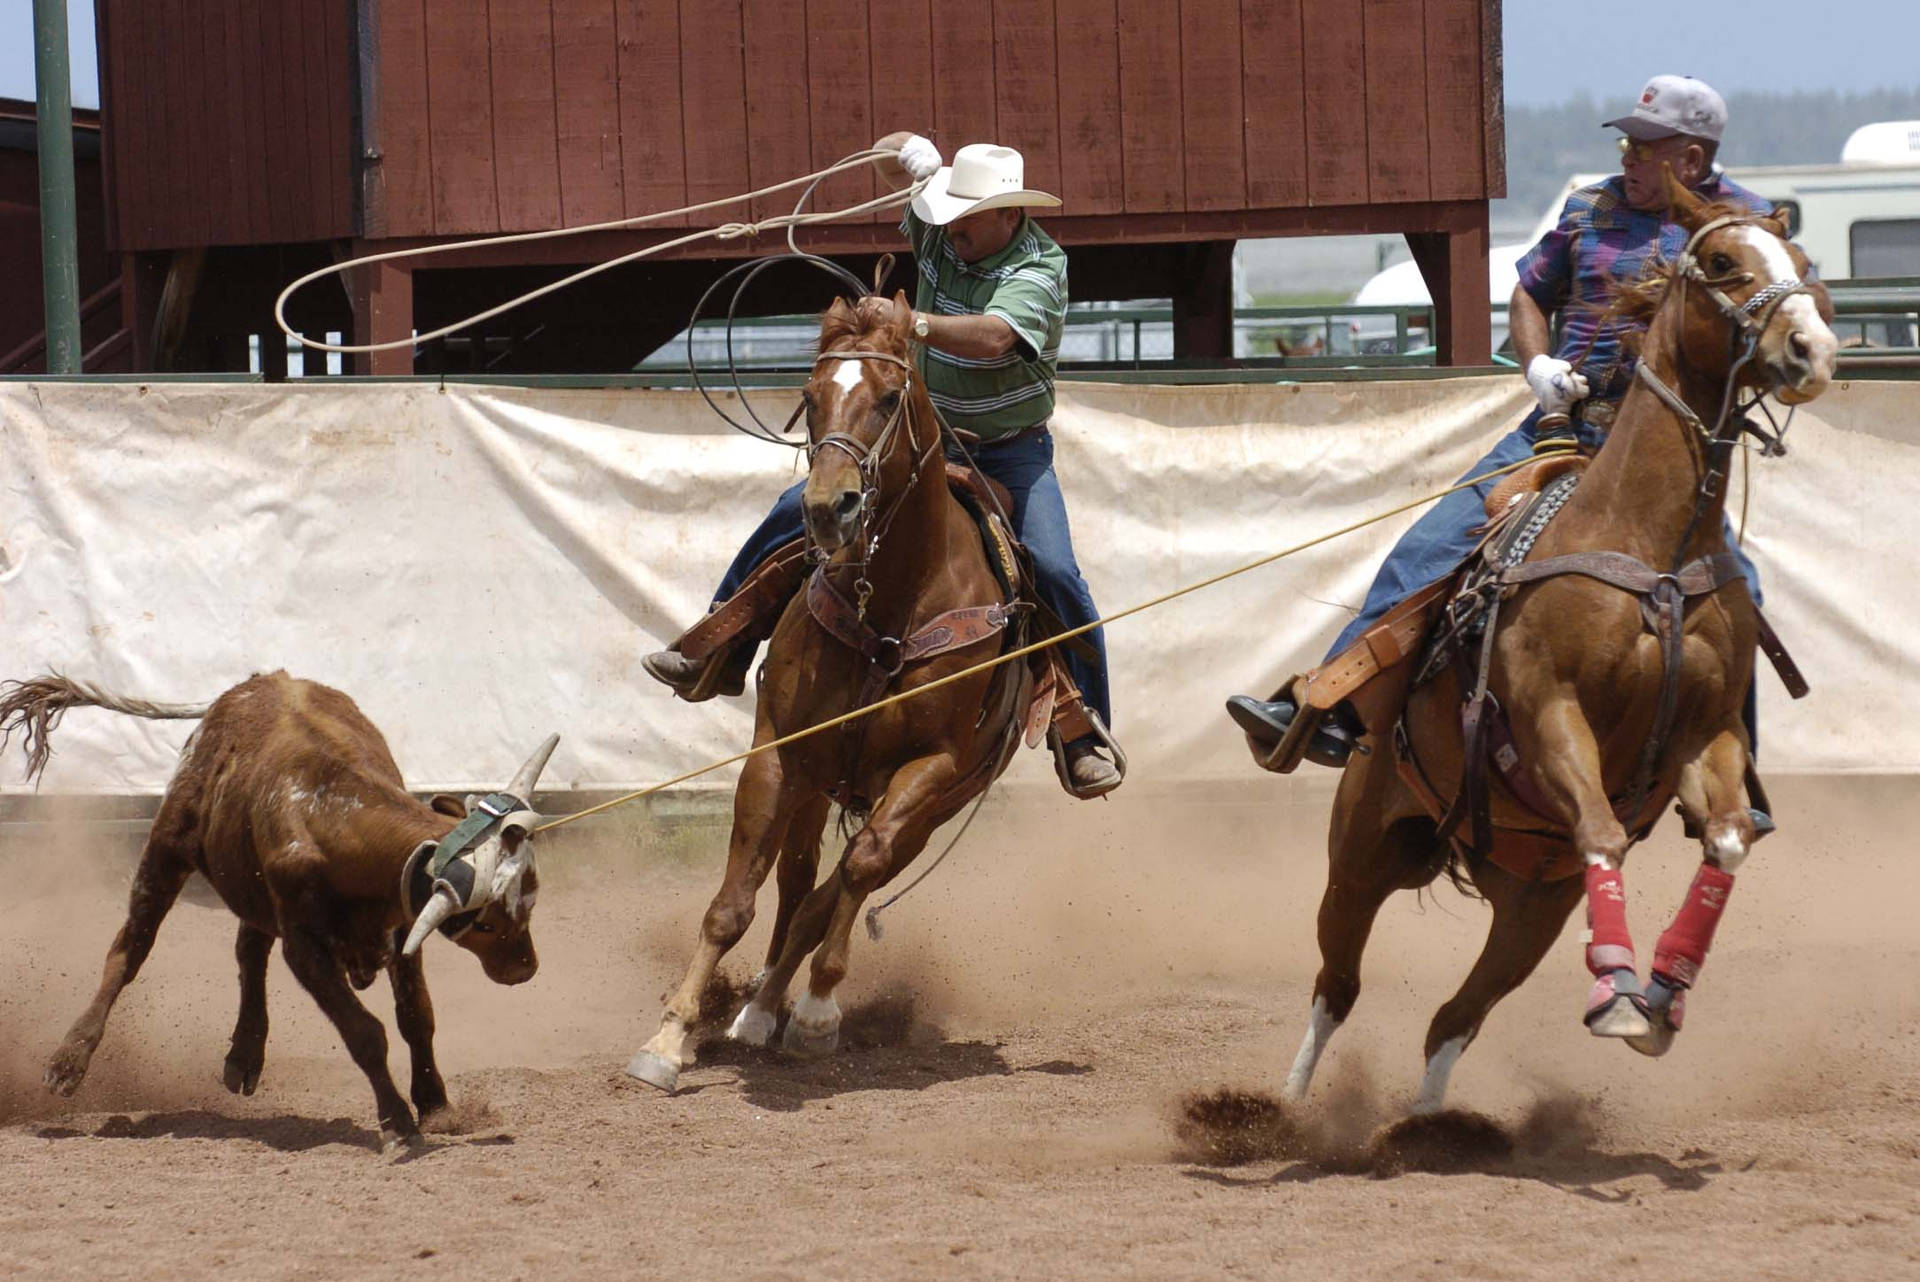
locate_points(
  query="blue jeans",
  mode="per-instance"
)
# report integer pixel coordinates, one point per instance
(1025, 467)
(1443, 537)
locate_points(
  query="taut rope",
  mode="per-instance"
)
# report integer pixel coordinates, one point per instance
(831, 722)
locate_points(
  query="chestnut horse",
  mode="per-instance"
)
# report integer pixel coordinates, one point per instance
(903, 595)
(1580, 678)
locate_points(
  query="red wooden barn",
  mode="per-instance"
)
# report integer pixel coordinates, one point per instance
(247, 140)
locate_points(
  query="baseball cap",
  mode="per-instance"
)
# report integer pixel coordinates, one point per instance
(1672, 105)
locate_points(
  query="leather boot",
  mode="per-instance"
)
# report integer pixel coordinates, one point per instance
(695, 680)
(1092, 774)
(1332, 742)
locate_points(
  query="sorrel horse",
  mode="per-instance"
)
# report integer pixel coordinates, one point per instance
(902, 596)
(1584, 682)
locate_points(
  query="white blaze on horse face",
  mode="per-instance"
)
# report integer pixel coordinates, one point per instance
(1797, 315)
(848, 376)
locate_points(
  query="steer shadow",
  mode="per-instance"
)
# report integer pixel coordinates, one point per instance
(285, 1133)
(886, 1044)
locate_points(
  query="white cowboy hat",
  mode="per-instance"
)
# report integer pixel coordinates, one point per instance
(982, 176)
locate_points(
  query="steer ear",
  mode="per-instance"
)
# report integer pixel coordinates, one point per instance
(443, 804)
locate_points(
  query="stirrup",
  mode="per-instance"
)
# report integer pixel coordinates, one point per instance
(1058, 744)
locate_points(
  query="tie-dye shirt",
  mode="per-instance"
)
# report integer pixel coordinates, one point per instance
(1600, 239)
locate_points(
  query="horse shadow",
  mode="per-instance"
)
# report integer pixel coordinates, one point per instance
(1458, 1143)
(885, 1045)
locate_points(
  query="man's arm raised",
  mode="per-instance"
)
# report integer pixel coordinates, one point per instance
(912, 158)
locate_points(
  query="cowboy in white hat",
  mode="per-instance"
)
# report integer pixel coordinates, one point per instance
(990, 303)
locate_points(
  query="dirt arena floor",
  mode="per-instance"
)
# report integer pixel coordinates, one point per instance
(1020, 1052)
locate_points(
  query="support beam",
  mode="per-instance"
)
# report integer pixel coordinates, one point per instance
(382, 313)
(1203, 305)
(59, 232)
(1454, 264)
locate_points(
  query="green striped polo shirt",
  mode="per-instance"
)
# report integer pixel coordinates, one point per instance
(1025, 285)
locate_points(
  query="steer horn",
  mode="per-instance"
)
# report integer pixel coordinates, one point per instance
(529, 774)
(441, 905)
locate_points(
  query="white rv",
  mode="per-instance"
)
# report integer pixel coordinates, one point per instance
(1860, 217)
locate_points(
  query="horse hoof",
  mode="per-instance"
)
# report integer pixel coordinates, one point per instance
(654, 1070)
(814, 1027)
(806, 1043)
(1657, 1041)
(1664, 1018)
(1621, 1017)
(240, 1077)
(66, 1072)
(400, 1144)
(752, 1026)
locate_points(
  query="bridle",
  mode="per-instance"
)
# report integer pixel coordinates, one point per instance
(1749, 320)
(868, 460)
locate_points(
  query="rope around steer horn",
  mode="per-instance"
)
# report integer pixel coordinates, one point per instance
(833, 722)
(726, 231)
(478, 862)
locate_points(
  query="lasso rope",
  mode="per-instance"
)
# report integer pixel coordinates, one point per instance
(726, 231)
(1037, 646)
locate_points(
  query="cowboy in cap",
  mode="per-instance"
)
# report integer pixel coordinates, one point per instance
(1608, 235)
(989, 307)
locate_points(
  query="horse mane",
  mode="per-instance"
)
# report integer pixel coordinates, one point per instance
(862, 325)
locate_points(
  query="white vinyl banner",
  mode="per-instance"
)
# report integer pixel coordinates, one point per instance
(477, 566)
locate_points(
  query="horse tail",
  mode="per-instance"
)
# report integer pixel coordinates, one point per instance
(34, 707)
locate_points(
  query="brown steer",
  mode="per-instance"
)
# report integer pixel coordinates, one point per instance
(288, 801)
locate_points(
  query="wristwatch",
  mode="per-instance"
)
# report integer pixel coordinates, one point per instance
(920, 326)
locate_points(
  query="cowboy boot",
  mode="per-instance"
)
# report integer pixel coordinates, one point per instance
(1267, 723)
(722, 672)
(1088, 773)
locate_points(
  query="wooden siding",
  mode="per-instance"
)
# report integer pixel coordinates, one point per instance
(236, 122)
(232, 120)
(1139, 107)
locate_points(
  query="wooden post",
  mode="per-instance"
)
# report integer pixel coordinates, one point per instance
(382, 313)
(1454, 264)
(1203, 306)
(142, 276)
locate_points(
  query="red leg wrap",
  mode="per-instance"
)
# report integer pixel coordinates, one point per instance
(1609, 946)
(1681, 950)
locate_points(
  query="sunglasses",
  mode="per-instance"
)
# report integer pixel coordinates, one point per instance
(1641, 152)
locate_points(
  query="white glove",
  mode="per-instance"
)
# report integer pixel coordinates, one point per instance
(1555, 383)
(920, 158)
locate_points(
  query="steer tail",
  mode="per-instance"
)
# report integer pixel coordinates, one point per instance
(34, 707)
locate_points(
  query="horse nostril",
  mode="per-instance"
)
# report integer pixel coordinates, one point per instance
(846, 505)
(1800, 345)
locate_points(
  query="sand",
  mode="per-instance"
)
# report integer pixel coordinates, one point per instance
(1020, 1055)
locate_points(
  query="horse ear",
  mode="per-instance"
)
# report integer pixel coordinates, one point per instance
(1683, 206)
(840, 311)
(1778, 222)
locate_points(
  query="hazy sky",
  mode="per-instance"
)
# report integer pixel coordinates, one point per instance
(1553, 49)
